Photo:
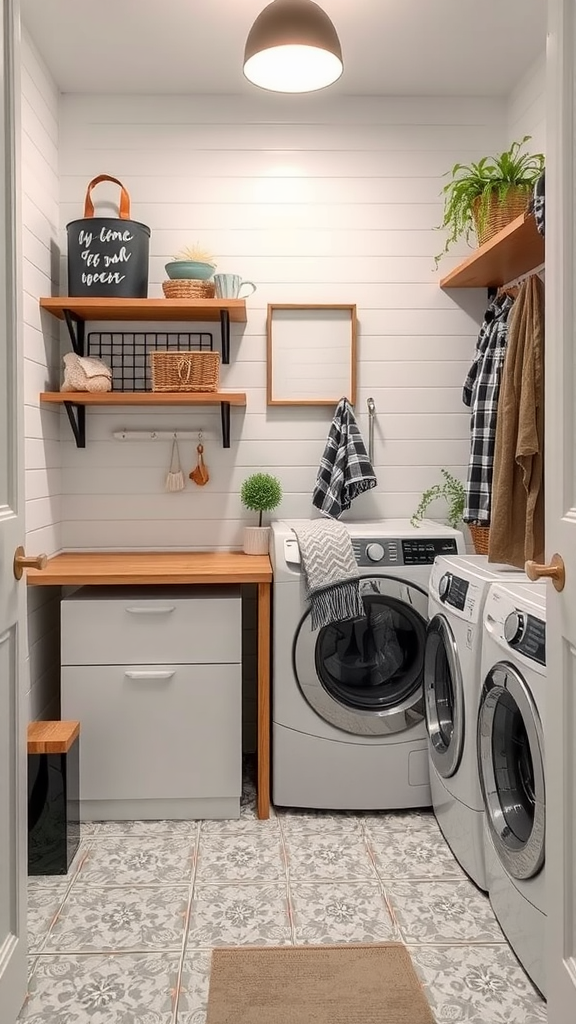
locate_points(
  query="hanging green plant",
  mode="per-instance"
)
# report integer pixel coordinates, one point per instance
(485, 196)
(452, 491)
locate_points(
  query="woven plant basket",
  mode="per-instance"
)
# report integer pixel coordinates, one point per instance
(185, 371)
(498, 214)
(480, 538)
(182, 288)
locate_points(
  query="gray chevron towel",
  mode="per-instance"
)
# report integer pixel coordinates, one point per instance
(330, 571)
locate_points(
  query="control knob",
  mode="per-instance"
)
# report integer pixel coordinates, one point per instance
(375, 552)
(444, 585)
(514, 628)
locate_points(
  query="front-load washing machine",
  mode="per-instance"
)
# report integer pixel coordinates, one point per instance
(511, 762)
(452, 683)
(348, 729)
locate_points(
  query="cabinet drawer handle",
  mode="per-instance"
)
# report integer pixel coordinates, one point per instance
(156, 674)
(157, 610)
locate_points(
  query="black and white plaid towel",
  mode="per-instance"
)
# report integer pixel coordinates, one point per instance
(345, 470)
(330, 571)
(538, 205)
(481, 392)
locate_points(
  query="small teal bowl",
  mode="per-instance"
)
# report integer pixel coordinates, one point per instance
(180, 269)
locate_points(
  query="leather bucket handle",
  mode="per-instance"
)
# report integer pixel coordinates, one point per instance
(124, 210)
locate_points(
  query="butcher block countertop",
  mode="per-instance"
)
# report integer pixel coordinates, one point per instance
(130, 567)
(93, 568)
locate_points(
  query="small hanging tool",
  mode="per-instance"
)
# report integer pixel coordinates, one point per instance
(200, 474)
(175, 479)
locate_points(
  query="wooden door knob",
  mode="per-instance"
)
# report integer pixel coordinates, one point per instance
(23, 561)
(555, 570)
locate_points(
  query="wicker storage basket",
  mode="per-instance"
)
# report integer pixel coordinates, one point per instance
(185, 371)
(498, 214)
(480, 538)
(183, 288)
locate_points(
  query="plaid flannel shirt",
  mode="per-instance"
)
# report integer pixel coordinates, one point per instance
(345, 469)
(480, 392)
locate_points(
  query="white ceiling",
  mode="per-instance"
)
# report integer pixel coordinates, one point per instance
(390, 47)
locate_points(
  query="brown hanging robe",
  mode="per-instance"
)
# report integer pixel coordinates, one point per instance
(517, 523)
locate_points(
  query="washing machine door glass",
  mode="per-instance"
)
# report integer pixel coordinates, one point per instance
(365, 675)
(444, 696)
(511, 763)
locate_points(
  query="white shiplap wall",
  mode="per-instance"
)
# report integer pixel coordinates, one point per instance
(526, 114)
(316, 200)
(40, 221)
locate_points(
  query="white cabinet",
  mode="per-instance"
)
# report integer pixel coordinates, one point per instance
(154, 677)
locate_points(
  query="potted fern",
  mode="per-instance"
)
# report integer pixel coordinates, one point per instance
(259, 493)
(451, 491)
(487, 195)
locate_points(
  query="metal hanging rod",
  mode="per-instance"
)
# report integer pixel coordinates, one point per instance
(371, 417)
(161, 435)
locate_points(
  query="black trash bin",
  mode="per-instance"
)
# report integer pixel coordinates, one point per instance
(108, 256)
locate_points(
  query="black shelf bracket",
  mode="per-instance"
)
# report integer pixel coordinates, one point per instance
(77, 422)
(225, 326)
(225, 417)
(77, 333)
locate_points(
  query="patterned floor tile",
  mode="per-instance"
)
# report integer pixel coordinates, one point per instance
(401, 821)
(248, 858)
(146, 860)
(102, 990)
(436, 912)
(120, 920)
(477, 985)
(193, 996)
(55, 881)
(43, 905)
(327, 858)
(248, 914)
(162, 829)
(247, 822)
(295, 820)
(340, 912)
(413, 855)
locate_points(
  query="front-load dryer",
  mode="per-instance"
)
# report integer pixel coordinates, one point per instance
(348, 729)
(511, 762)
(452, 683)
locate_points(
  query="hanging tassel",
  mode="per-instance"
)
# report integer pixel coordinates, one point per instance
(175, 478)
(200, 474)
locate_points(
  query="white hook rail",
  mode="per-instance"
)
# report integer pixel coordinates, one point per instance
(161, 435)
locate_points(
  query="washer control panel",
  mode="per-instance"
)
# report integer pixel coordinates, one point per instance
(453, 591)
(527, 635)
(390, 552)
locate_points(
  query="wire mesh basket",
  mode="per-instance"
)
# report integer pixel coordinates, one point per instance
(185, 371)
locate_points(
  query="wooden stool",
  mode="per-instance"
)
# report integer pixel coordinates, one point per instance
(53, 796)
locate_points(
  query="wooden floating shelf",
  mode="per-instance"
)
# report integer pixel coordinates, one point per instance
(514, 251)
(146, 309)
(75, 403)
(144, 397)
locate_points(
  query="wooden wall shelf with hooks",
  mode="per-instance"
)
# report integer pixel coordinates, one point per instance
(514, 251)
(75, 403)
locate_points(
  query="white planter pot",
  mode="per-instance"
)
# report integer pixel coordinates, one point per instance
(256, 540)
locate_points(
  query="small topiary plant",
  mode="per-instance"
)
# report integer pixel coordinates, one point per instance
(261, 493)
(452, 490)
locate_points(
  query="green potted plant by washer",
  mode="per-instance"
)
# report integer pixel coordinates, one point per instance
(451, 491)
(260, 493)
(485, 196)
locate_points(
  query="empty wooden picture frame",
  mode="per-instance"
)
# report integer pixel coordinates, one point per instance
(311, 353)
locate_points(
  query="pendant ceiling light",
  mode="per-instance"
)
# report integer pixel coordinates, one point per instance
(293, 47)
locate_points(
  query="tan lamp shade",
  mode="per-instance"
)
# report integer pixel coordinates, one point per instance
(293, 47)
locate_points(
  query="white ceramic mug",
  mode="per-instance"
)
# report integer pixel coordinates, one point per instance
(227, 286)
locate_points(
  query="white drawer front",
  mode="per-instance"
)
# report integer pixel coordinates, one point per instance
(156, 731)
(118, 631)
